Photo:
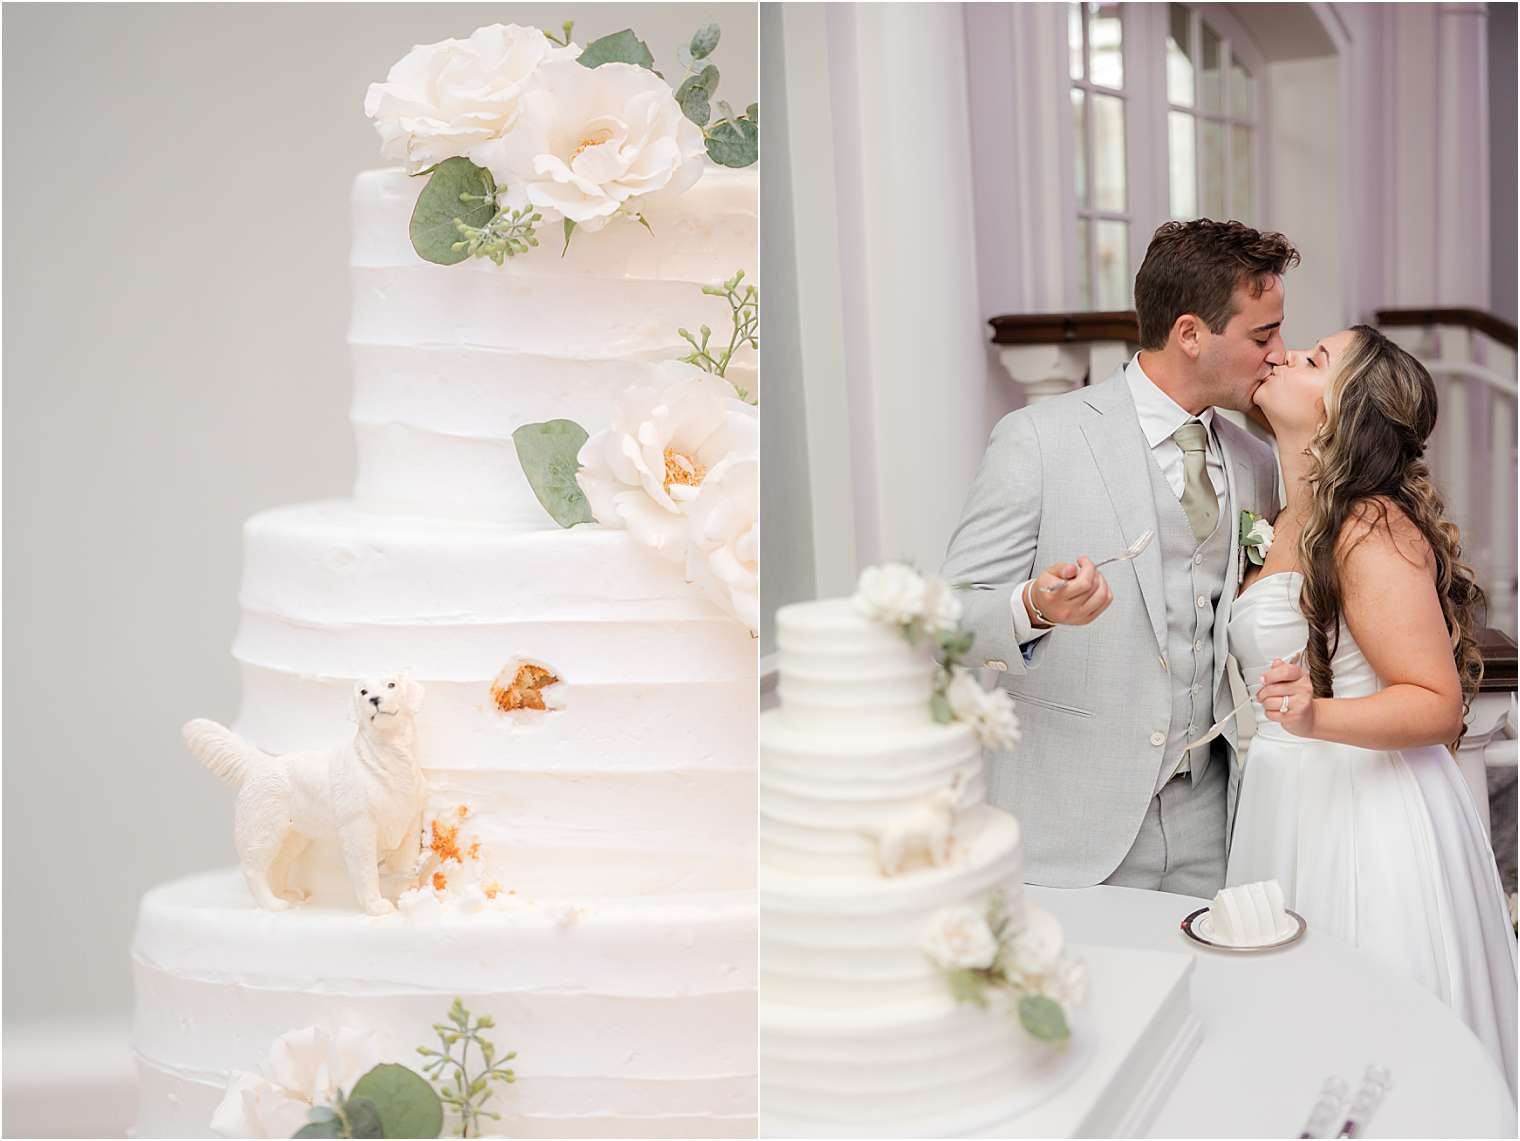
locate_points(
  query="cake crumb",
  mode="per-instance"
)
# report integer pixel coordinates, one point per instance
(522, 691)
(439, 882)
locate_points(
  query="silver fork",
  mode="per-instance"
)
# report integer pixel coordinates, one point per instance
(1135, 550)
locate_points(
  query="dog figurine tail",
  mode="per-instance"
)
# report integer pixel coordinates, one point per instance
(221, 750)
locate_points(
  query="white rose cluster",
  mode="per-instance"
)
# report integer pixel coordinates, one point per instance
(680, 468)
(896, 594)
(989, 712)
(306, 1068)
(578, 142)
(1036, 960)
(958, 938)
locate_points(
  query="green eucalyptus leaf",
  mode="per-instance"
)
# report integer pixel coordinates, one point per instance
(939, 705)
(620, 47)
(705, 42)
(752, 113)
(1255, 555)
(693, 100)
(967, 986)
(364, 1119)
(321, 1113)
(407, 1105)
(1043, 1018)
(330, 1128)
(734, 143)
(683, 57)
(440, 204)
(548, 453)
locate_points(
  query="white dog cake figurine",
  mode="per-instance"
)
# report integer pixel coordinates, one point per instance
(368, 791)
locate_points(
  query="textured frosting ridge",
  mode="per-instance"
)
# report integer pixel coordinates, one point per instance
(859, 1034)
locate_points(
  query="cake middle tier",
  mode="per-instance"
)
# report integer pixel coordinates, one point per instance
(639, 776)
(855, 942)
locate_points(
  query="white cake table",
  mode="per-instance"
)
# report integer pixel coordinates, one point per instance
(1275, 1025)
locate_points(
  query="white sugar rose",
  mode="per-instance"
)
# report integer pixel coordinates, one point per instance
(644, 471)
(1066, 982)
(440, 100)
(1031, 954)
(306, 1068)
(892, 593)
(589, 141)
(989, 713)
(723, 555)
(942, 607)
(958, 938)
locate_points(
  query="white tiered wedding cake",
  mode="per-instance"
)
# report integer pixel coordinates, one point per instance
(889, 889)
(590, 707)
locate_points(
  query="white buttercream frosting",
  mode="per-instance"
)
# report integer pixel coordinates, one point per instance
(1250, 914)
(616, 947)
(631, 1016)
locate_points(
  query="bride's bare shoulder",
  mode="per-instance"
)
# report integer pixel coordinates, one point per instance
(1377, 529)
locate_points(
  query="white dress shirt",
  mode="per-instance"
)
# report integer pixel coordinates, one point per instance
(1159, 416)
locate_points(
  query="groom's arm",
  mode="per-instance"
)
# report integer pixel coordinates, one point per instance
(992, 552)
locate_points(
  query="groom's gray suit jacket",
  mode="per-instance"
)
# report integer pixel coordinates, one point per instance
(1068, 476)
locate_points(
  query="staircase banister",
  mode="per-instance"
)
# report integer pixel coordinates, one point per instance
(1493, 326)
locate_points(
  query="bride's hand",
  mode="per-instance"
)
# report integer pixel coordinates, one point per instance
(1291, 682)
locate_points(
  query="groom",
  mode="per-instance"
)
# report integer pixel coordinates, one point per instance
(1113, 671)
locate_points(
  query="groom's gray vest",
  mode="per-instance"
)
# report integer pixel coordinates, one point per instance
(1104, 708)
(1193, 574)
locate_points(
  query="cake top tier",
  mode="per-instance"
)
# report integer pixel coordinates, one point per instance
(843, 671)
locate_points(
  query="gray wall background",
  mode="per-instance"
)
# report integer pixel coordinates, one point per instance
(176, 233)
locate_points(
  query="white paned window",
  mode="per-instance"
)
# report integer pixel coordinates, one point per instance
(1211, 120)
(1167, 121)
(1100, 135)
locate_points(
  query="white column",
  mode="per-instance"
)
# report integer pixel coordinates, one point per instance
(1461, 168)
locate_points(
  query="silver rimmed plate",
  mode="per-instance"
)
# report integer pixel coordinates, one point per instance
(1200, 929)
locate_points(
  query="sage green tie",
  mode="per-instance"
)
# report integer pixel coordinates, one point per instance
(1199, 501)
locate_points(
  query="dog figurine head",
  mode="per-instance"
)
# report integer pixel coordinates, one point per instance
(383, 705)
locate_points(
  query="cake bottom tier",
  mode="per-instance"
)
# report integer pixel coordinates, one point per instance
(933, 1069)
(630, 1019)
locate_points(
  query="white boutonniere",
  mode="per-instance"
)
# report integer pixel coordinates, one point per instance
(1255, 537)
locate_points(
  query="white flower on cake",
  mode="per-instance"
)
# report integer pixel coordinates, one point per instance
(893, 593)
(989, 712)
(306, 1068)
(445, 99)
(588, 142)
(723, 557)
(1036, 948)
(644, 472)
(942, 607)
(958, 937)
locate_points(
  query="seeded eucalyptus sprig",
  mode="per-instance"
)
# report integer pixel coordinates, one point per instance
(563, 39)
(466, 1092)
(744, 310)
(508, 233)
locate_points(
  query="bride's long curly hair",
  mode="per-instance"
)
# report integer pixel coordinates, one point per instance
(1380, 408)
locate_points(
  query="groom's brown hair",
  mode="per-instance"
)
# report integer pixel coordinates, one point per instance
(1195, 267)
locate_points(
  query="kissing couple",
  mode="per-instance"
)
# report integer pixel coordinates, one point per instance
(1348, 609)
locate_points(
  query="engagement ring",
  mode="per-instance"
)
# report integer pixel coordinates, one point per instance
(1284, 707)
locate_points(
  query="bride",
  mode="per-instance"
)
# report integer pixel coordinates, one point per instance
(1351, 797)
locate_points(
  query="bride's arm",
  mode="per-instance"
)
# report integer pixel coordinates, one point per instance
(1392, 610)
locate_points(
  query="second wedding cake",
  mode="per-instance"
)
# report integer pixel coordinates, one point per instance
(886, 882)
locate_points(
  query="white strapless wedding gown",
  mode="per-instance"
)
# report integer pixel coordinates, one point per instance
(1381, 849)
